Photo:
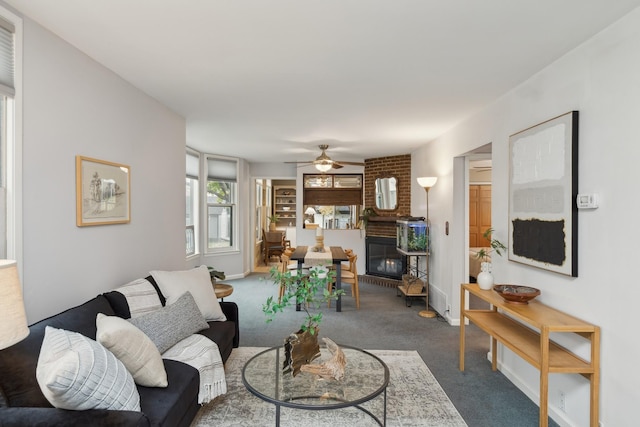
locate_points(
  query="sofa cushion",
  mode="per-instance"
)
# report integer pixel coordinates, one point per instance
(133, 348)
(172, 323)
(197, 281)
(75, 372)
(177, 404)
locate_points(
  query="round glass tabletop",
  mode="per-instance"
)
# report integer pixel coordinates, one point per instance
(366, 376)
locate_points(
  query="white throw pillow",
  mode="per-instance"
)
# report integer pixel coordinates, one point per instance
(75, 372)
(197, 281)
(133, 348)
(141, 296)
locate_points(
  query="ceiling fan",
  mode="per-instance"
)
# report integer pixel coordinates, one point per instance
(324, 163)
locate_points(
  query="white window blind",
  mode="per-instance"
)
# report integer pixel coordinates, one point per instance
(193, 166)
(219, 169)
(6, 58)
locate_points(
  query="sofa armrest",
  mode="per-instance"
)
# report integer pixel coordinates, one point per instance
(230, 309)
(22, 416)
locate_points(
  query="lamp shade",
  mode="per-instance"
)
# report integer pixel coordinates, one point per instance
(310, 211)
(13, 320)
(427, 181)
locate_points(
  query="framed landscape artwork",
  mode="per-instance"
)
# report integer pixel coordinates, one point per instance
(543, 216)
(103, 192)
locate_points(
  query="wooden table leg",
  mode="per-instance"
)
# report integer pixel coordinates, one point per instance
(544, 377)
(462, 307)
(338, 285)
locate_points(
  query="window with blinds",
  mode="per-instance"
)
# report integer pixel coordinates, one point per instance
(222, 199)
(332, 201)
(192, 205)
(7, 138)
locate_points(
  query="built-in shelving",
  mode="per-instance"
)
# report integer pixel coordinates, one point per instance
(284, 205)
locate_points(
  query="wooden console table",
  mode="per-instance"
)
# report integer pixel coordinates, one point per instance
(511, 324)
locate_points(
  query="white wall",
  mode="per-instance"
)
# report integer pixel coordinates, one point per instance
(74, 106)
(601, 79)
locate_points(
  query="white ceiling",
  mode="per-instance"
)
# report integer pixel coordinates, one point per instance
(269, 80)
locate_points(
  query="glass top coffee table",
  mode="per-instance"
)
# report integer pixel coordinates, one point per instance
(365, 377)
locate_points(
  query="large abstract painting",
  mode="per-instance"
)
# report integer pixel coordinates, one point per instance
(543, 217)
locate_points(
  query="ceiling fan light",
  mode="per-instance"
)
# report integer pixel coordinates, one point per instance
(323, 167)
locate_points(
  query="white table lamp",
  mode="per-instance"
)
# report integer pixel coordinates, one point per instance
(13, 319)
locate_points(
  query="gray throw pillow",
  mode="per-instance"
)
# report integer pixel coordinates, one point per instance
(173, 323)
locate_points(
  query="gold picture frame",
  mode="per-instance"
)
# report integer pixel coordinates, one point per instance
(103, 192)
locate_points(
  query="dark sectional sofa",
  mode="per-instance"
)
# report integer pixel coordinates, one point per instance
(23, 404)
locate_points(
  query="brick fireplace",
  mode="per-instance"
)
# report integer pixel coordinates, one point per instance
(382, 258)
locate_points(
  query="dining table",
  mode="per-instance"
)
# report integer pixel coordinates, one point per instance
(332, 254)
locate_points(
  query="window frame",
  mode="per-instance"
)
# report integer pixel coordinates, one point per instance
(192, 192)
(232, 205)
(12, 150)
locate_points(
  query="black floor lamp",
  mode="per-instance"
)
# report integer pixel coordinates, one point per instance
(427, 182)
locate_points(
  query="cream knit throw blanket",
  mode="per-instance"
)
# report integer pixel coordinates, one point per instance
(204, 355)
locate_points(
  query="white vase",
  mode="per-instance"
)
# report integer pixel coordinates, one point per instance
(485, 278)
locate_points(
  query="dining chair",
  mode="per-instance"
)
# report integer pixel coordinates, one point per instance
(350, 275)
(273, 242)
(287, 266)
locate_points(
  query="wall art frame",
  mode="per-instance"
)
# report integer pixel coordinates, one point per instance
(103, 192)
(543, 185)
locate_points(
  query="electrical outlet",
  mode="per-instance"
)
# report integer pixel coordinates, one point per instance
(449, 308)
(562, 402)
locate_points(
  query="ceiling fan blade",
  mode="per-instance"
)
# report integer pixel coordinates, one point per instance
(325, 160)
(350, 163)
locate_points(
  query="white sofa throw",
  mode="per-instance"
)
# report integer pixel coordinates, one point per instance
(203, 354)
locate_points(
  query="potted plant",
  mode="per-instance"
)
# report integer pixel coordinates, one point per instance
(309, 292)
(215, 274)
(485, 278)
(273, 219)
(366, 213)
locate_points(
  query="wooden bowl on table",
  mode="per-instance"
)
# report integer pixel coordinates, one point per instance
(516, 294)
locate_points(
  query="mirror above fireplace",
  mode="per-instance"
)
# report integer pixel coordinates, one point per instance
(386, 193)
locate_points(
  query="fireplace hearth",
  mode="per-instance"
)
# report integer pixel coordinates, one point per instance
(383, 260)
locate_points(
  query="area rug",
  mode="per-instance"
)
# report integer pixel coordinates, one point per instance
(414, 398)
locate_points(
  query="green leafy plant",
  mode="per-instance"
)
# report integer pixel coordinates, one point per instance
(366, 213)
(416, 242)
(215, 274)
(309, 291)
(273, 218)
(495, 245)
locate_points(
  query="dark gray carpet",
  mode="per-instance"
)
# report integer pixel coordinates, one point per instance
(484, 398)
